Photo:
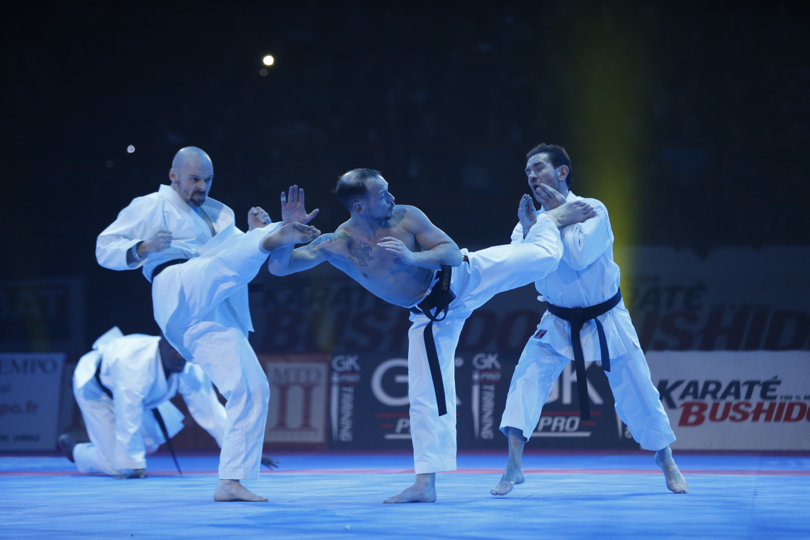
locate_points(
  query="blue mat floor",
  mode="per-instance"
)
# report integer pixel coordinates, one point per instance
(321, 495)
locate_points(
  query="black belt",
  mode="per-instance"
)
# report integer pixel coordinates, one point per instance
(161, 267)
(155, 413)
(437, 301)
(577, 317)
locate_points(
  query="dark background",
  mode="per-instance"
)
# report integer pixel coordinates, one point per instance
(689, 119)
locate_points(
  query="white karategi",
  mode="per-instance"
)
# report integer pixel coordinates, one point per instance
(586, 276)
(484, 274)
(123, 430)
(202, 305)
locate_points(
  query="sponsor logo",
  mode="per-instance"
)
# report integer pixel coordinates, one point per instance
(738, 400)
(345, 378)
(485, 378)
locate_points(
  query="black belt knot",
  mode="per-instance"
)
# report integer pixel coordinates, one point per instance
(435, 306)
(577, 317)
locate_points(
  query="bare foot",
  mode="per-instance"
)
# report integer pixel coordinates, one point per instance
(511, 476)
(232, 490)
(66, 445)
(675, 480)
(136, 473)
(571, 212)
(286, 235)
(422, 490)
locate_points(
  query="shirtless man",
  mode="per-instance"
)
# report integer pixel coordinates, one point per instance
(583, 292)
(397, 254)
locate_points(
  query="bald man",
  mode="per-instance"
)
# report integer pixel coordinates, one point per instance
(199, 264)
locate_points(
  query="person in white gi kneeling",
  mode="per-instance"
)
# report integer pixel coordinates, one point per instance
(118, 385)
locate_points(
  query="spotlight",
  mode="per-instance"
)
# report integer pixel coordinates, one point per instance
(268, 60)
(130, 149)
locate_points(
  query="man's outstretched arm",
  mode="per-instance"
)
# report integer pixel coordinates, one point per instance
(287, 260)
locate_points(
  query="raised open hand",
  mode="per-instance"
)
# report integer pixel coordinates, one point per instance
(527, 213)
(292, 207)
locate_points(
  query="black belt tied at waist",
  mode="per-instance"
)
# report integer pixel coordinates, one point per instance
(434, 307)
(155, 413)
(163, 266)
(577, 317)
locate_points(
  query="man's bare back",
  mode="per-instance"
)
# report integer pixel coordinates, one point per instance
(375, 268)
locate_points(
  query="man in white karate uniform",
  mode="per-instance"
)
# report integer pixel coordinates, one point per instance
(118, 384)
(199, 264)
(397, 254)
(583, 293)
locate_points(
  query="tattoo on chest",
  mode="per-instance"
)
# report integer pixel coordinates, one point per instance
(359, 252)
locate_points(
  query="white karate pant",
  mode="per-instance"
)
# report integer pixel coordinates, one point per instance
(487, 272)
(637, 400)
(206, 329)
(98, 412)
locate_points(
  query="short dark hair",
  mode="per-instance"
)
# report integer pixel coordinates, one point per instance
(557, 156)
(352, 186)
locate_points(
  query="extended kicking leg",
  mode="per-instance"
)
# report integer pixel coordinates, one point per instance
(422, 490)
(514, 464)
(289, 234)
(675, 480)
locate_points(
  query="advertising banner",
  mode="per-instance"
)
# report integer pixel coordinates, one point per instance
(755, 400)
(369, 404)
(29, 400)
(732, 299)
(298, 398)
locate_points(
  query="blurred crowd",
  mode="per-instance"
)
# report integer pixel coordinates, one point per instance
(444, 98)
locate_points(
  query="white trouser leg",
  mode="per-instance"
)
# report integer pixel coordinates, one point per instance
(434, 436)
(534, 377)
(226, 356)
(205, 282)
(638, 402)
(98, 413)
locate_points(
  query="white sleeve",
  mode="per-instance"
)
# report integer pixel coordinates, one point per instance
(137, 222)
(202, 401)
(517, 234)
(545, 235)
(589, 240)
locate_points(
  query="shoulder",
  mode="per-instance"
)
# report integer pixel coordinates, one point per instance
(595, 203)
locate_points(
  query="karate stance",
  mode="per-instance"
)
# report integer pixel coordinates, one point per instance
(118, 385)
(397, 254)
(586, 278)
(199, 264)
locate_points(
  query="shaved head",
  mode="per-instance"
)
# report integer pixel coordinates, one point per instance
(190, 154)
(192, 174)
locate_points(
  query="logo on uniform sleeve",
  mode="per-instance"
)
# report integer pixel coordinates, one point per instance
(539, 334)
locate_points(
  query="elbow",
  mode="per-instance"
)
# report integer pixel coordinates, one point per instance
(454, 257)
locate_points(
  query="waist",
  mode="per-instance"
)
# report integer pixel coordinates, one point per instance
(586, 313)
(437, 276)
(163, 266)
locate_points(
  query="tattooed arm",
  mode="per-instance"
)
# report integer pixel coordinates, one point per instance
(289, 261)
